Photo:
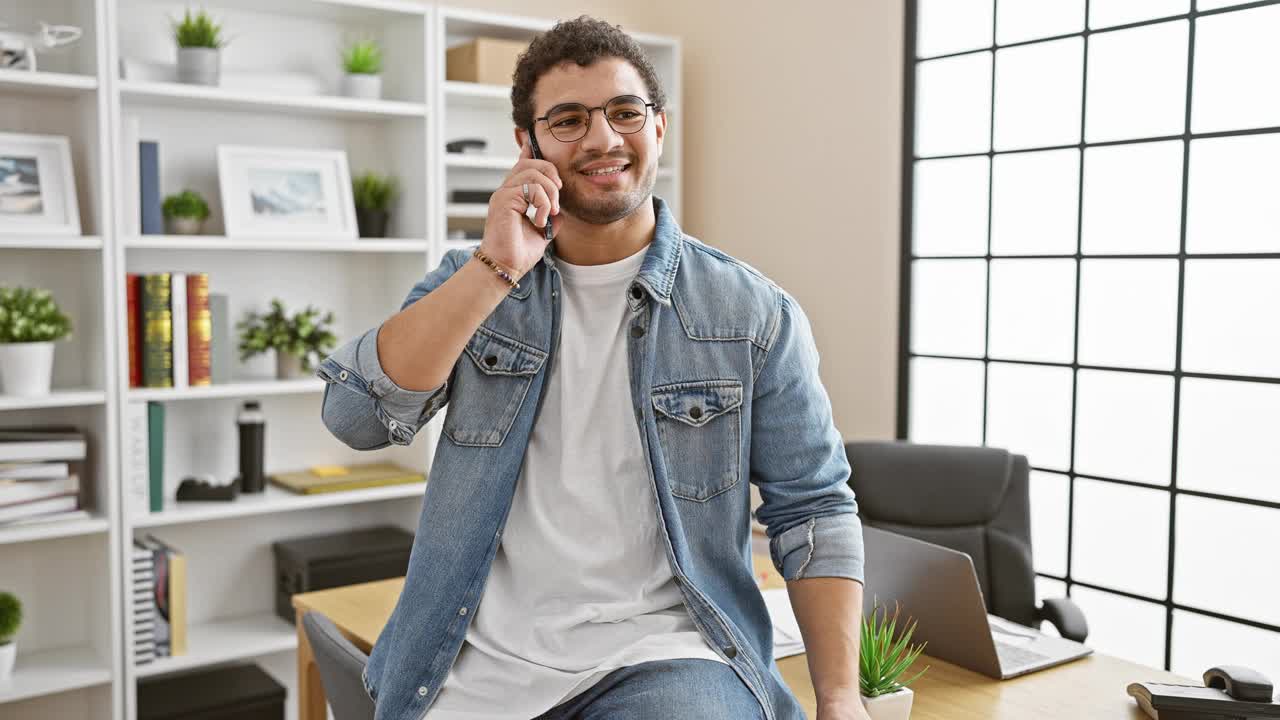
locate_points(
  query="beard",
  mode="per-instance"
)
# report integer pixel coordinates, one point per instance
(601, 207)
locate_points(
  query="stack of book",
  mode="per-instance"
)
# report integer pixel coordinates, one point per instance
(179, 333)
(37, 481)
(160, 600)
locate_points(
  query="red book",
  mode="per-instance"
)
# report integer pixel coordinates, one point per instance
(199, 329)
(132, 285)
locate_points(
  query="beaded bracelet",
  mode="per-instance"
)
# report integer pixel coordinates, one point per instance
(502, 273)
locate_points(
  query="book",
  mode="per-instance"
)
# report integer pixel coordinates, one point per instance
(47, 506)
(157, 331)
(137, 458)
(17, 492)
(65, 516)
(33, 471)
(133, 290)
(340, 478)
(171, 597)
(199, 329)
(155, 455)
(221, 344)
(151, 216)
(178, 317)
(41, 444)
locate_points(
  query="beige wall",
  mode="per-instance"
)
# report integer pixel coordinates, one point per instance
(803, 181)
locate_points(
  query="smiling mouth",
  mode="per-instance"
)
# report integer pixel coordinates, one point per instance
(607, 172)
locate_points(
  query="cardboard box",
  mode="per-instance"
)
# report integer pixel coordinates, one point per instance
(484, 60)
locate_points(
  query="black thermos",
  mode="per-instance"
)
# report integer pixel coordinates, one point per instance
(252, 425)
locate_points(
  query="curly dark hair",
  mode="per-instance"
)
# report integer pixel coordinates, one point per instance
(582, 40)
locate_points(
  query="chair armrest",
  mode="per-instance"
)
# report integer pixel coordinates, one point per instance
(1066, 616)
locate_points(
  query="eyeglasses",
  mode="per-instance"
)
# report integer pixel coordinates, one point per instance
(569, 122)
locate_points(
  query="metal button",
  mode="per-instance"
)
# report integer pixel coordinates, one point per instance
(635, 292)
(392, 425)
(342, 375)
(463, 611)
(695, 412)
(731, 652)
(491, 360)
(637, 331)
(422, 691)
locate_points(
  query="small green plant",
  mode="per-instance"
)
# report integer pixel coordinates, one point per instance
(363, 57)
(372, 191)
(186, 204)
(10, 616)
(31, 315)
(198, 31)
(303, 335)
(885, 654)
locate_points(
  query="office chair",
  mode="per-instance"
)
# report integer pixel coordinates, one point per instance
(340, 664)
(972, 499)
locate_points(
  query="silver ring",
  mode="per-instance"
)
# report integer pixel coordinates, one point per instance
(524, 188)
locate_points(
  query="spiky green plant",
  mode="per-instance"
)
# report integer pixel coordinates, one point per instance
(363, 57)
(10, 616)
(31, 315)
(304, 335)
(885, 653)
(198, 31)
(186, 204)
(372, 191)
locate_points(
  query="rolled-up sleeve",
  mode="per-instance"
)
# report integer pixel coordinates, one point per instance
(798, 460)
(363, 407)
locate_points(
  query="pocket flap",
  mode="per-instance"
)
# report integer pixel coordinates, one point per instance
(697, 403)
(496, 354)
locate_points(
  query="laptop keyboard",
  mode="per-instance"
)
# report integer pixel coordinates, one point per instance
(1014, 656)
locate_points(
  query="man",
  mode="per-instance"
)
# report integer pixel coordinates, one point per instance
(584, 544)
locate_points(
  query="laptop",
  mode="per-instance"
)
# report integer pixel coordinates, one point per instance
(938, 588)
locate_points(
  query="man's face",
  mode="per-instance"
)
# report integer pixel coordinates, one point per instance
(599, 199)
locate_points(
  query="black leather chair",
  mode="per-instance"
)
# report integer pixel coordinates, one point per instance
(972, 499)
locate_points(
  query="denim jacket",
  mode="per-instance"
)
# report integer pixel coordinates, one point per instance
(724, 382)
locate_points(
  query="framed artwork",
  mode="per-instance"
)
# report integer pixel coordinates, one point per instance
(285, 192)
(37, 185)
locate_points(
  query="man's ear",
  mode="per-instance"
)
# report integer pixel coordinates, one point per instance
(522, 136)
(660, 128)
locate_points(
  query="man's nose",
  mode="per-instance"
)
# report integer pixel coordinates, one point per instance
(600, 137)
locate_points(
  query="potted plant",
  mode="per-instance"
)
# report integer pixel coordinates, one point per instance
(362, 61)
(10, 621)
(296, 340)
(373, 195)
(30, 322)
(200, 42)
(185, 213)
(884, 656)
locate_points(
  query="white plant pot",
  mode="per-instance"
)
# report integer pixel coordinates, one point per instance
(183, 225)
(8, 652)
(199, 66)
(288, 367)
(26, 368)
(894, 706)
(363, 86)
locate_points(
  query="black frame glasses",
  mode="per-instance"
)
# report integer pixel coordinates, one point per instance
(577, 133)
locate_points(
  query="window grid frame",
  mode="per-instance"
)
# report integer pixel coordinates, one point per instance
(908, 258)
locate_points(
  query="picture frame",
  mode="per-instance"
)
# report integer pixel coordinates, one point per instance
(37, 186)
(286, 192)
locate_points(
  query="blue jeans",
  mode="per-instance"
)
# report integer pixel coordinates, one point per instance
(684, 689)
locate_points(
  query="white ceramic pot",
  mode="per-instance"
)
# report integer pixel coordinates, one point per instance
(199, 66)
(26, 368)
(288, 366)
(894, 706)
(183, 225)
(8, 652)
(362, 85)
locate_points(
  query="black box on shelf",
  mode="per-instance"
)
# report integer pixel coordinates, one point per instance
(235, 692)
(319, 562)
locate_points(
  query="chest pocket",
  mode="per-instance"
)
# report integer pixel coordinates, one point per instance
(700, 429)
(491, 381)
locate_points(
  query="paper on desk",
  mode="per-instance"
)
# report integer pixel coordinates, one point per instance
(786, 631)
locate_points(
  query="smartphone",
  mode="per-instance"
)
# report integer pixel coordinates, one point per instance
(537, 154)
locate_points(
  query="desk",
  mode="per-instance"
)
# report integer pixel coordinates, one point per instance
(1092, 688)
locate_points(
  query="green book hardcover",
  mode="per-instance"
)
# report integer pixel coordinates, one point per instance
(157, 331)
(155, 453)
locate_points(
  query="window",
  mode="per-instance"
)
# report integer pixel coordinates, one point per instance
(1091, 278)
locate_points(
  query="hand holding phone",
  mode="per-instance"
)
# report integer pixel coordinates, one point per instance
(511, 237)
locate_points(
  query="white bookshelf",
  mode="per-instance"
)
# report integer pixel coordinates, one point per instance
(75, 656)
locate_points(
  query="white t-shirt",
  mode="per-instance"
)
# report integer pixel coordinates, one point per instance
(580, 585)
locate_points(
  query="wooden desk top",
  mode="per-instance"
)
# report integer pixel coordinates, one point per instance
(1092, 688)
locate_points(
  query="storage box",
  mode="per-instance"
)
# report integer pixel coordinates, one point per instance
(237, 692)
(320, 562)
(484, 60)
